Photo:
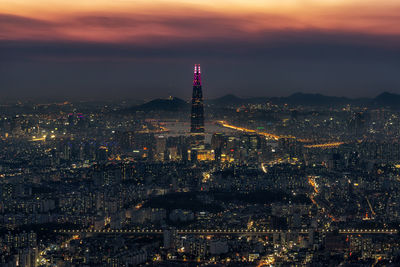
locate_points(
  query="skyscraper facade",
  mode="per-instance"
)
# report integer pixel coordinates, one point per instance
(197, 115)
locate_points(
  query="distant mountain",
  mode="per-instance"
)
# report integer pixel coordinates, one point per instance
(294, 99)
(386, 99)
(170, 104)
(313, 99)
(175, 104)
(227, 100)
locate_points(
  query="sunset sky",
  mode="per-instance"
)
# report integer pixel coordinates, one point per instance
(146, 49)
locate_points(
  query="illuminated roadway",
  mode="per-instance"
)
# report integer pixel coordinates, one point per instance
(230, 126)
(277, 137)
(313, 183)
(328, 145)
(224, 231)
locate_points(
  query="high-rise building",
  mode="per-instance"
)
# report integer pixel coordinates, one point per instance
(161, 147)
(197, 115)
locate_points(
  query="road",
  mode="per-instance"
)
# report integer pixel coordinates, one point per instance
(314, 184)
(277, 137)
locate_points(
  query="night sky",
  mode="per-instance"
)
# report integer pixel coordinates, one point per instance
(146, 49)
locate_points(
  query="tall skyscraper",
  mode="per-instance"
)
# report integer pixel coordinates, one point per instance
(197, 116)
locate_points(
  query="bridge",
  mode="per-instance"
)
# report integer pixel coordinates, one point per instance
(222, 231)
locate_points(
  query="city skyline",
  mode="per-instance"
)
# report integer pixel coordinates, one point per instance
(304, 180)
(199, 133)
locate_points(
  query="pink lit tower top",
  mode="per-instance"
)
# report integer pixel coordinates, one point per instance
(197, 115)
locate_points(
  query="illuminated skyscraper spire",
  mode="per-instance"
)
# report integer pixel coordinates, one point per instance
(197, 116)
(197, 76)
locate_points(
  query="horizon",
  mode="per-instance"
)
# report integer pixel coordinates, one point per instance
(144, 50)
(121, 99)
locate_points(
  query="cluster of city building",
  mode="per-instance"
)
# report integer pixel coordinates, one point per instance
(84, 184)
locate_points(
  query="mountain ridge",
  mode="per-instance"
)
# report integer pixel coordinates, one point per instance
(175, 104)
(310, 99)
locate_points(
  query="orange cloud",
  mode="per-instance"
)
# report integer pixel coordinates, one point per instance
(138, 21)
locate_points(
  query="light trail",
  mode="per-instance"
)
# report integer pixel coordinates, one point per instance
(312, 182)
(277, 137)
(370, 206)
(327, 145)
(269, 261)
(36, 139)
(264, 169)
(242, 129)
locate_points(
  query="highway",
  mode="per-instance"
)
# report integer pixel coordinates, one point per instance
(230, 126)
(327, 145)
(277, 137)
